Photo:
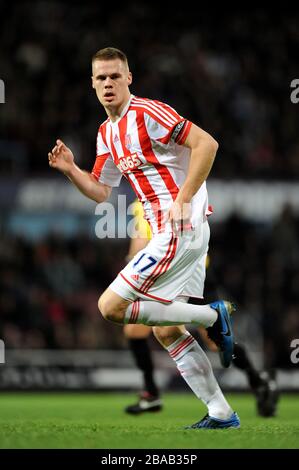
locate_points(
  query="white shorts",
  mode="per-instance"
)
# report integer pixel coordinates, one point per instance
(168, 267)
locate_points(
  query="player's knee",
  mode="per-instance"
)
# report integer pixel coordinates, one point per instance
(103, 307)
(109, 311)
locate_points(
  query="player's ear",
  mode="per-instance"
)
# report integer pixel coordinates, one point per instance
(92, 82)
(130, 78)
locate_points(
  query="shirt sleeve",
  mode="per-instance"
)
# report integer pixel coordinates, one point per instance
(165, 125)
(104, 169)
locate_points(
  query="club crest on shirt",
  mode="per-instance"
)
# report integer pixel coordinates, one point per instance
(128, 143)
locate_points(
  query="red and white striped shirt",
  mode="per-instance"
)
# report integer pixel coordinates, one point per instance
(146, 146)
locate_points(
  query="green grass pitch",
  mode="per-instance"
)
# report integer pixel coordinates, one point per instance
(98, 421)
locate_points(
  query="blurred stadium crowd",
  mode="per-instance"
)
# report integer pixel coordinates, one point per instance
(231, 75)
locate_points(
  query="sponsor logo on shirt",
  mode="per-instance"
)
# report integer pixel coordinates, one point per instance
(129, 163)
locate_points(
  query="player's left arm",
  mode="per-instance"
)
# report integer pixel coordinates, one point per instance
(203, 151)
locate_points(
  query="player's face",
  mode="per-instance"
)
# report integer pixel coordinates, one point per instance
(111, 79)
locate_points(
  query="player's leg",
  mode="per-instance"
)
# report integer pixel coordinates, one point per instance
(196, 370)
(240, 359)
(214, 316)
(119, 310)
(149, 398)
(177, 262)
(262, 384)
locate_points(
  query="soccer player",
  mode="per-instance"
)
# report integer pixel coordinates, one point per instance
(166, 159)
(262, 384)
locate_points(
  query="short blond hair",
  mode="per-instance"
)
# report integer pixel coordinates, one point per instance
(110, 53)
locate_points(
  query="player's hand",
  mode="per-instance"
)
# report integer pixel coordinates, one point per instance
(61, 157)
(179, 215)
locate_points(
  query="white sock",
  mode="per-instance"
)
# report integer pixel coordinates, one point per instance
(176, 313)
(196, 370)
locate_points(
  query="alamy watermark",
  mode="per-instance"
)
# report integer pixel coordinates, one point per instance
(119, 221)
(2, 92)
(2, 352)
(295, 353)
(295, 93)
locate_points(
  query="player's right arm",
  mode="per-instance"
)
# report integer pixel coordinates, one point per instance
(61, 158)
